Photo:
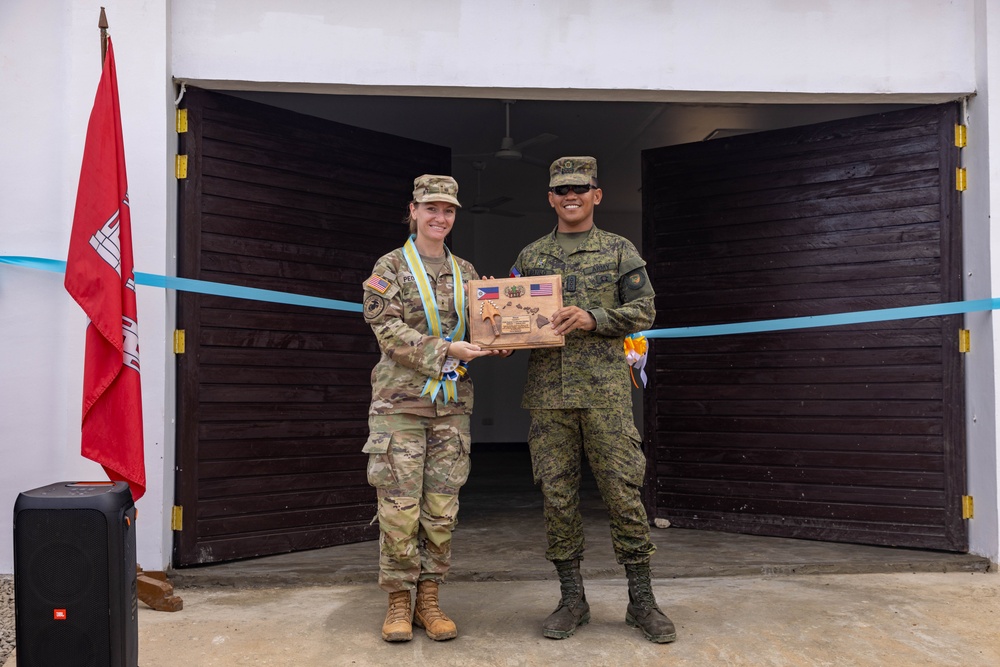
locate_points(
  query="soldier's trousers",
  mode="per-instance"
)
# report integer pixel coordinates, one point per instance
(614, 449)
(421, 466)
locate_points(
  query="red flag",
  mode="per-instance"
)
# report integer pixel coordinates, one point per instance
(99, 276)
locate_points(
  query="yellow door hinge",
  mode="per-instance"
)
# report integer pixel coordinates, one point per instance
(960, 179)
(967, 507)
(177, 517)
(181, 166)
(960, 136)
(182, 122)
(178, 341)
(964, 340)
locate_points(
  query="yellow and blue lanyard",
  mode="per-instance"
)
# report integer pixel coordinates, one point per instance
(453, 370)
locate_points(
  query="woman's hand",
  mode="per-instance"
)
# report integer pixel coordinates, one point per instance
(465, 351)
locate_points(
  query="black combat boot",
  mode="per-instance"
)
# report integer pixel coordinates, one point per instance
(573, 610)
(642, 611)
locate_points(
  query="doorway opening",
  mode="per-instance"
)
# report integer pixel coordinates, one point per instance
(474, 131)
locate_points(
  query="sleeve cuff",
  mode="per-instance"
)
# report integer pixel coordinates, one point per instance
(601, 317)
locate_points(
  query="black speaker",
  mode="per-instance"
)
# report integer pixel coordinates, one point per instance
(75, 597)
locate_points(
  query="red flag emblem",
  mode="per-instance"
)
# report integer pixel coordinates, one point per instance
(99, 277)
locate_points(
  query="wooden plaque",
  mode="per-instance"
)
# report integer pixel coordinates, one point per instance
(513, 313)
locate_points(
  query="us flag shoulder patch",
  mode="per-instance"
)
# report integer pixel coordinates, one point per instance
(377, 283)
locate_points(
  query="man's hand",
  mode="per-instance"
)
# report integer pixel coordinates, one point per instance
(568, 318)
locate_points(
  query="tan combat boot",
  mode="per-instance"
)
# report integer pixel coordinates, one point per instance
(429, 616)
(396, 627)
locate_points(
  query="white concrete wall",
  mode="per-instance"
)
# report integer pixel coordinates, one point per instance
(710, 50)
(982, 280)
(50, 65)
(634, 48)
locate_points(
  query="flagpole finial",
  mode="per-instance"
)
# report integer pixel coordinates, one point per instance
(102, 23)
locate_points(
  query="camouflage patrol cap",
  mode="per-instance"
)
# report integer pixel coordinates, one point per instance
(431, 187)
(573, 170)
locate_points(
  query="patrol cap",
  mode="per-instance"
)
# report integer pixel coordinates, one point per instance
(432, 187)
(573, 170)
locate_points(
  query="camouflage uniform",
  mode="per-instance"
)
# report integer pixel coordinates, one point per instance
(580, 395)
(418, 448)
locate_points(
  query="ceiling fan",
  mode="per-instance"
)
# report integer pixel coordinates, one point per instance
(491, 207)
(514, 152)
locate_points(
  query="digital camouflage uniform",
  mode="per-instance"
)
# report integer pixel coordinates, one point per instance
(418, 448)
(580, 395)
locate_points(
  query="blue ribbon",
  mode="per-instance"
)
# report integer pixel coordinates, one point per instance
(812, 321)
(199, 286)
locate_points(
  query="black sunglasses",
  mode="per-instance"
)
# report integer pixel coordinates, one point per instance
(563, 190)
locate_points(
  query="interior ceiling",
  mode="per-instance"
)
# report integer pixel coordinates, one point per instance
(614, 132)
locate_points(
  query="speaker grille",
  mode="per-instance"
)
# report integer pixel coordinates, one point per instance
(61, 563)
(64, 645)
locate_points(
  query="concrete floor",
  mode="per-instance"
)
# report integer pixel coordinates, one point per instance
(736, 599)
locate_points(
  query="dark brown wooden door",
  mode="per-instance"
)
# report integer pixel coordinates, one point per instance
(272, 399)
(851, 433)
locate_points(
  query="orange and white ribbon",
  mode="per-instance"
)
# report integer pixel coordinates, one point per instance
(636, 349)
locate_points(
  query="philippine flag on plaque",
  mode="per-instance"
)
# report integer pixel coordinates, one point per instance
(487, 293)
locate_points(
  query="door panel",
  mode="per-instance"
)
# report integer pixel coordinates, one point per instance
(272, 399)
(851, 433)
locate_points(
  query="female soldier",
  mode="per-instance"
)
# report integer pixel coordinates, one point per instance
(421, 401)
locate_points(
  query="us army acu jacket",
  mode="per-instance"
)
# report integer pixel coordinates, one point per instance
(409, 353)
(605, 276)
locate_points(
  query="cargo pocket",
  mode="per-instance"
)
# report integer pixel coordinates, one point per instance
(463, 461)
(635, 463)
(617, 450)
(380, 469)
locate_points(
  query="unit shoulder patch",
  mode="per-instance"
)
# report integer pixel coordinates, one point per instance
(636, 280)
(634, 285)
(374, 306)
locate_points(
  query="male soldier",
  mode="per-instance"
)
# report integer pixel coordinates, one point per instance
(579, 396)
